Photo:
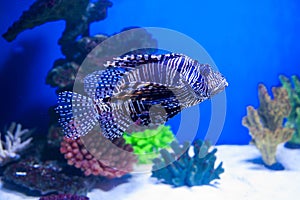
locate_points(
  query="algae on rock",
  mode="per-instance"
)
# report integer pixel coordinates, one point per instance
(293, 120)
(266, 123)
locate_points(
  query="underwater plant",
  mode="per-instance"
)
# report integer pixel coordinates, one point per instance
(95, 155)
(180, 168)
(44, 177)
(146, 145)
(293, 120)
(15, 142)
(64, 197)
(266, 123)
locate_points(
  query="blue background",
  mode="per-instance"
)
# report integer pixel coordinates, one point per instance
(250, 41)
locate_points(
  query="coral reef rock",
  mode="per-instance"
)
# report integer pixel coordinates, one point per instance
(266, 123)
(95, 155)
(55, 136)
(293, 120)
(64, 197)
(45, 177)
(146, 145)
(78, 14)
(78, 50)
(180, 168)
(63, 74)
(14, 143)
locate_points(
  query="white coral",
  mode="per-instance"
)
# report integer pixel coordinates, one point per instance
(13, 143)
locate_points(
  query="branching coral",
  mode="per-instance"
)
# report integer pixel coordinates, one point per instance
(14, 143)
(180, 168)
(147, 144)
(293, 120)
(95, 155)
(45, 177)
(266, 123)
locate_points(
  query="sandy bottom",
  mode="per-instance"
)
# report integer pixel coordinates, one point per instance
(243, 179)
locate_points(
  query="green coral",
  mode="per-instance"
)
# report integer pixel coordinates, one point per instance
(266, 123)
(148, 143)
(293, 121)
(179, 168)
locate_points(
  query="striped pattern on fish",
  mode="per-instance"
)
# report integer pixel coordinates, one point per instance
(137, 92)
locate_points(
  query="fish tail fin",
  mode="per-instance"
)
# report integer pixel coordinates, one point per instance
(77, 114)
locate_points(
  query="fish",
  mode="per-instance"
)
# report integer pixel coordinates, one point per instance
(137, 92)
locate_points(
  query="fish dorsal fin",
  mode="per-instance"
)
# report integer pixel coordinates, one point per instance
(153, 78)
(139, 59)
(100, 84)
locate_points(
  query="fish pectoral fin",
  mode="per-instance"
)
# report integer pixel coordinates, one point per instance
(77, 114)
(110, 126)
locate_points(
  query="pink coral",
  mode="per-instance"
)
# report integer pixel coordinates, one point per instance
(95, 155)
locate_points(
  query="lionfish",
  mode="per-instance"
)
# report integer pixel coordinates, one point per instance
(136, 92)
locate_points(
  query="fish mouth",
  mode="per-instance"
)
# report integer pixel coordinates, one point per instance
(220, 87)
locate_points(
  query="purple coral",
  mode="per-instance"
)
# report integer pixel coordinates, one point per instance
(95, 155)
(64, 197)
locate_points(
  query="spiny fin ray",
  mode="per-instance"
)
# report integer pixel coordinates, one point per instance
(77, 114)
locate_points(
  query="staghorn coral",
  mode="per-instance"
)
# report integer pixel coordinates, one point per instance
(266, 123)
(180, 168)
(78, 14)
(64, 197)
(45, 177)
(14, 143)
(293, 120)
(95, 155)
(146, 145)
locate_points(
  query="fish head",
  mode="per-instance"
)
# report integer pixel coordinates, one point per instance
(209, 83)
